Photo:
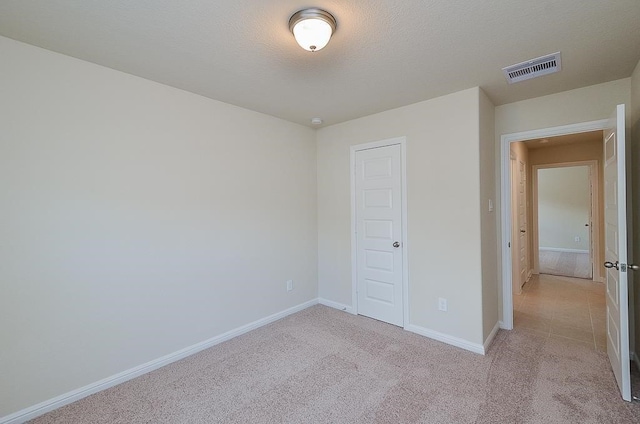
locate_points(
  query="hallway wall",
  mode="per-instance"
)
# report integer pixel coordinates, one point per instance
(635, 170)
(564, 205)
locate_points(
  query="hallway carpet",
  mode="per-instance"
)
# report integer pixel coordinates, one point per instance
(326, 366)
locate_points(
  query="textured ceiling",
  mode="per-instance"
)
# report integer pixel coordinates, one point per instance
(384, 54)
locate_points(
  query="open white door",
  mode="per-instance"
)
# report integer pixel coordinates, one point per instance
(523, 241)
(615, 215)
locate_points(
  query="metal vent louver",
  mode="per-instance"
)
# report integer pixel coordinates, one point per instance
(533, 68)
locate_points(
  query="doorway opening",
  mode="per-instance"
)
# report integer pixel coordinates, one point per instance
(618, 313)
(567, 211)
(556, 204)
(529, 147)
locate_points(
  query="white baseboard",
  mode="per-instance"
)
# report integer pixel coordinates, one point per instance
(464, 344)
(490, 338)
(562, 249)
(336, 305)
(445, 338)
(74, 395)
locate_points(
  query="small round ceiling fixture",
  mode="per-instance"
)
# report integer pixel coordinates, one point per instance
(316, 121)
(312, 28)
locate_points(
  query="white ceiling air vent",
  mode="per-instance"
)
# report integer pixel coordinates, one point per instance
(533, 68)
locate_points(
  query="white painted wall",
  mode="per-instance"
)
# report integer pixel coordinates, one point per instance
(635, 170)
(136, 220)
(444, 231)
(564, 204)
(488, 218)
(569, 107)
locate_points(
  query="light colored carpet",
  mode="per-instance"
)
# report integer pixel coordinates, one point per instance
(326, 366)
(566, 264)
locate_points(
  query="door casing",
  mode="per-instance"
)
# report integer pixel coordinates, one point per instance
(402, 141)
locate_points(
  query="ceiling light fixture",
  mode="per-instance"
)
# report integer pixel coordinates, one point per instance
(312, 28)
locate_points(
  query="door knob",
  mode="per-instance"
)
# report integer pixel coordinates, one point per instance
(523, 231)
(624, 266)
(396, 244)
(612, 265)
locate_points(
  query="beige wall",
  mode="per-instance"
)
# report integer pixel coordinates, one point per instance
(635, 169)
(444, 219)
(570, 107)
(635, 95)
(488, 218)
(564, 205)
(582, 151)
(137, 220)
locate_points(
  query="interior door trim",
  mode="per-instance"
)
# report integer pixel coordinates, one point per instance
(402, 141)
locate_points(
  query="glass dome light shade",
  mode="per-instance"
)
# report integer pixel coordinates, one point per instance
(312, 28)
(312, 34)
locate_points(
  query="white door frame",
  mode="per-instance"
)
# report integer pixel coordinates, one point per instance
(402, 141)
(505, 200)
(594, 242)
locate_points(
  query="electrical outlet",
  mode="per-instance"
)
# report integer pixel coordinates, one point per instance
(289, 285)
(442, 304)
(577, 239)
